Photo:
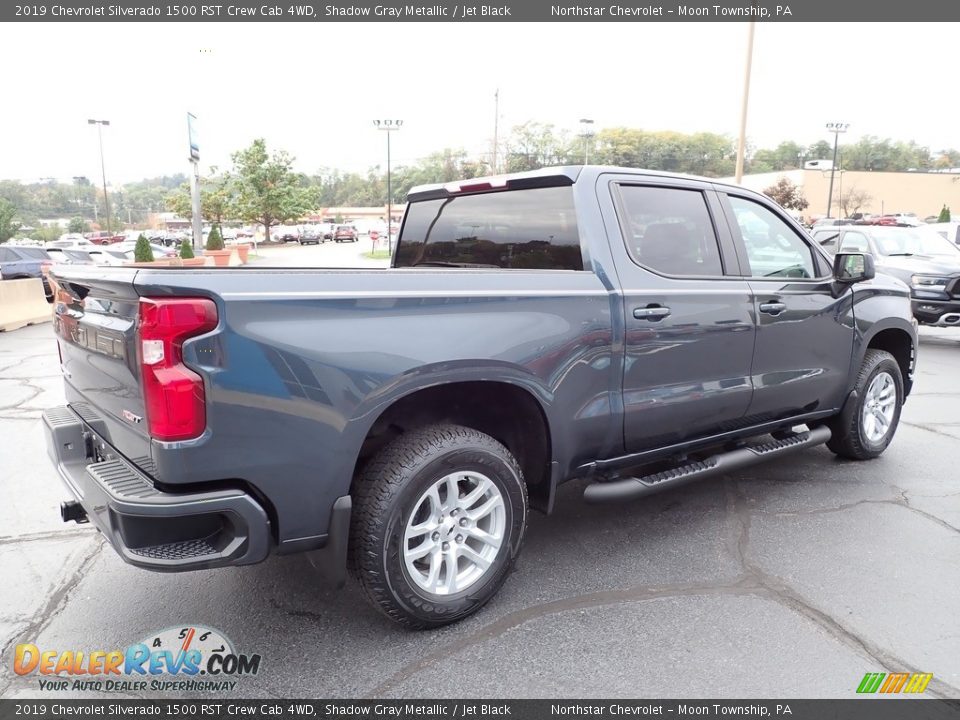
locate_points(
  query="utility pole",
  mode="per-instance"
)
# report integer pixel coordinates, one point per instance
(742, 145)
(103, 168)
(496, 124)
(836, 129)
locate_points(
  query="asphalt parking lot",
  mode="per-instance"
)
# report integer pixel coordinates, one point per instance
(782, 580)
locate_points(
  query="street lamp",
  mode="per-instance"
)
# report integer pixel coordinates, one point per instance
(103, 169)
(836, 129)
(389, 126)
(585, 124)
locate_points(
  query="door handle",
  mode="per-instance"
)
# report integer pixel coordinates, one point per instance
(772, 308)
(653, 314)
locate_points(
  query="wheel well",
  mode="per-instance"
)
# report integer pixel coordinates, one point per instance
(507, 413)
(897, 343)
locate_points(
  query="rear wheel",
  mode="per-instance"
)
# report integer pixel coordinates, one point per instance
(439, 518)
(865, 429)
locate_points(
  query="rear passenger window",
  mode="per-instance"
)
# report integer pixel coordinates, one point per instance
(669, 230)
(7, 255)
(534, 229)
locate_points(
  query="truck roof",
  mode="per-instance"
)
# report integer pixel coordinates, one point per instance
(544, 177)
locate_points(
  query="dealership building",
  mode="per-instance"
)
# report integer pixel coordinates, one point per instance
(922, 193)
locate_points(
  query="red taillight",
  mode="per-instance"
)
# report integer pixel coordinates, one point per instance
(173, 394)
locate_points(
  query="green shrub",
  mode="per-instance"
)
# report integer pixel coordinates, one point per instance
(944, 214)
(214, 239)
(142, 252)
(186, 250)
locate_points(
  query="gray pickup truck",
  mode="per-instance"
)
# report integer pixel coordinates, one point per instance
(629, 329)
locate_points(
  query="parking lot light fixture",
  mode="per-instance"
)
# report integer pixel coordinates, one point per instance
(836, 128)
(103, 169)
(389, 126)
(586, 131)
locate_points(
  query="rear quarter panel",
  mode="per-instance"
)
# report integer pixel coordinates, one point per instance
(304, 362)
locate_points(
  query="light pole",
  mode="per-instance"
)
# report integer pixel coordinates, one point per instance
(389, 126)
(745, 102)
(836, 129)
(585, 124)
(103, 167)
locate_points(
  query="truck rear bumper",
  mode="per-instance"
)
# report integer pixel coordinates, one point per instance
(152, 529)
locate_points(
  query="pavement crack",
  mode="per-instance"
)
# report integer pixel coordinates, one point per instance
(928, 428)
(742, 585)
(753, 581)
(903, 502)
(55, 603)
(778, 591)
(40, 536)
(786, 596)
(929, 516)
(739, 522)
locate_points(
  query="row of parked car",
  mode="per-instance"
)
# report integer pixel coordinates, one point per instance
(924, 257)
(316, 233)
(27, 261)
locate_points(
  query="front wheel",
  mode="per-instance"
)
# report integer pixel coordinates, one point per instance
(865, 429)
(439, 518)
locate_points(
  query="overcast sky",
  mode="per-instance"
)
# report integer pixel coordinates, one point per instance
(313, 89)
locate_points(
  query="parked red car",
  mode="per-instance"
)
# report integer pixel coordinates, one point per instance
(346, 233)
(104, 238)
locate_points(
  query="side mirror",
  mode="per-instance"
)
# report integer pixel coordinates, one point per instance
(853, 267)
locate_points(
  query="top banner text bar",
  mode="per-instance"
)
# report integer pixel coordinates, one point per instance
(852, 11)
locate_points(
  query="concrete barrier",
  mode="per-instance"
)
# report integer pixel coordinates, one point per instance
(22, 303)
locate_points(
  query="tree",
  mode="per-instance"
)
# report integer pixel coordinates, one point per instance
(214, 239)
(439, 167)
(216, 199)
(142, 252)
(821, 150)
(45, 234)
(8, 226)
(186, 251)
(944, 214)
(787, 195)
(699, 154)
(535, 145)
(852, 199)
(947, 159)
(267, 190)
(77, 225)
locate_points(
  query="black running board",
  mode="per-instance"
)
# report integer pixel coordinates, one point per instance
(634, 487)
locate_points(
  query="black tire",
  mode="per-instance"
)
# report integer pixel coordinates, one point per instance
(388, 492)
(850, 439)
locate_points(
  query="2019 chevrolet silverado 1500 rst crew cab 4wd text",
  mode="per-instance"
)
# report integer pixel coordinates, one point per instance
(631, 329)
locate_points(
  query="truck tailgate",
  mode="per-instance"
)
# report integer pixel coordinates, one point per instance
(95, 317)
